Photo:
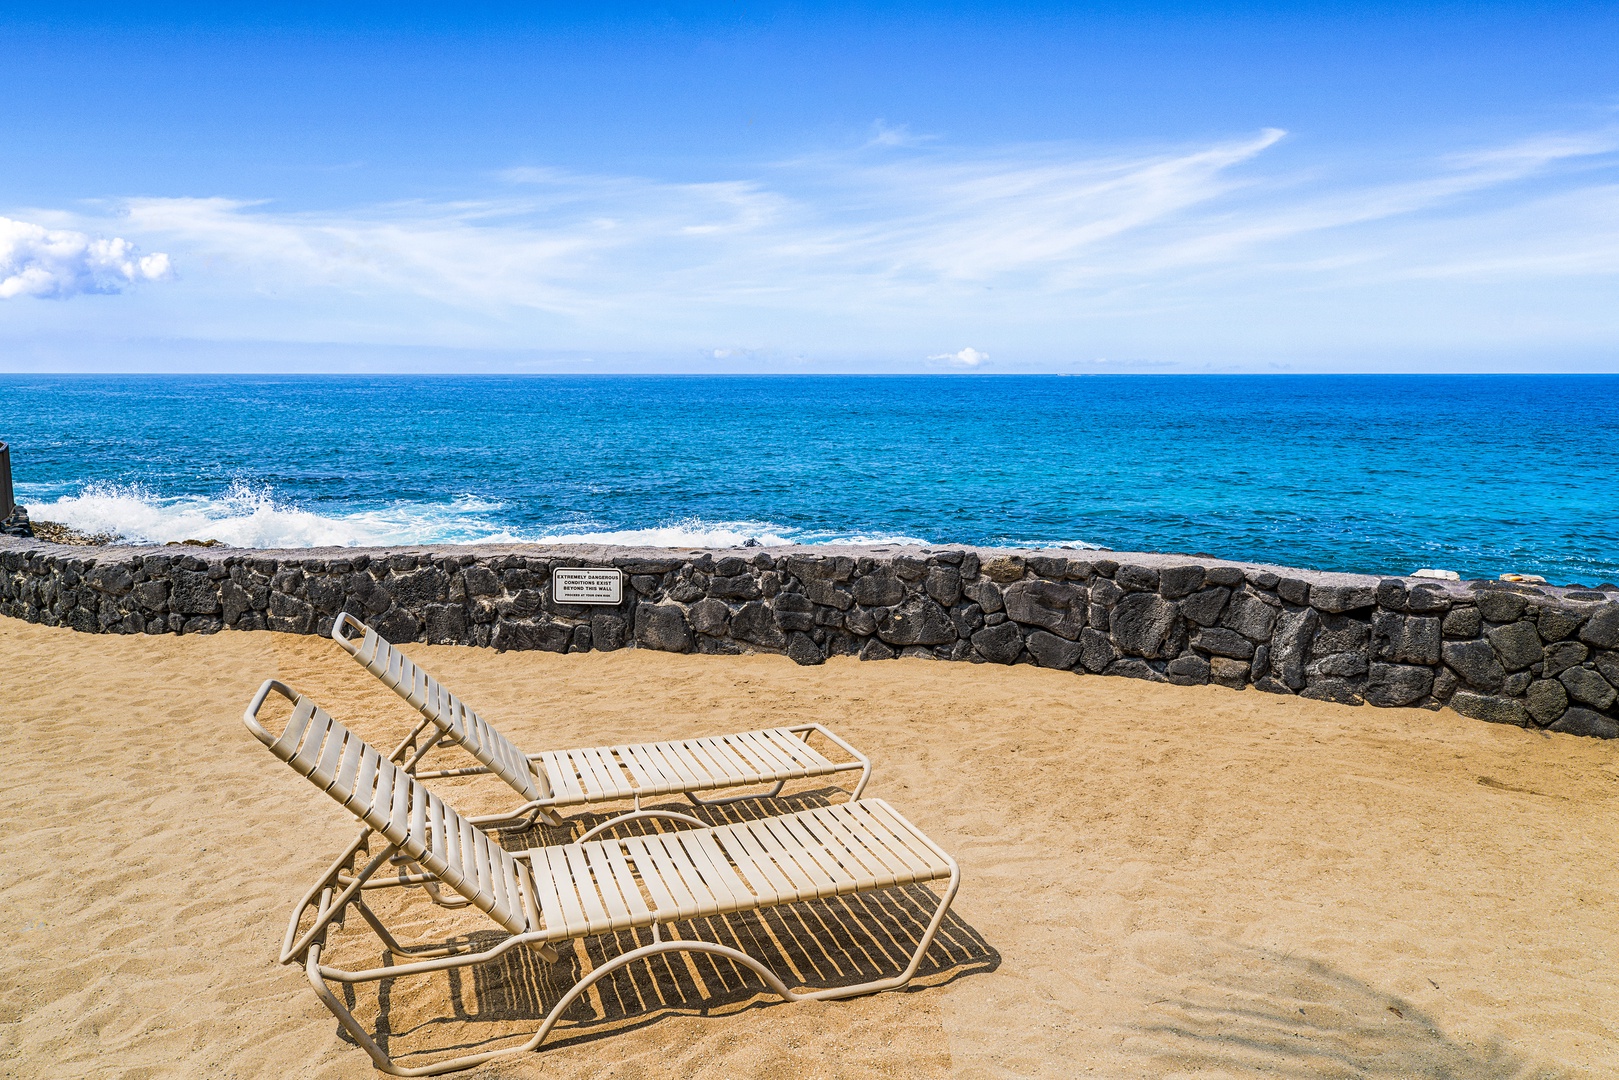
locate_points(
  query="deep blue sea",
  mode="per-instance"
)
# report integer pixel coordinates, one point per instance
(1379, 474)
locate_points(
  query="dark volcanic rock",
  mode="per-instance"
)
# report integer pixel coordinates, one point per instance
(1175, 582)
(755, 622)
(1463, 622)
(663, 626)
(1251, 617)
(1578, 721)
(1190, 670)
(918, 621)
(1222, 642)
(193, 593)
(1290, 646)
(1562, 655)
(1517, 644)
(1602, 628)
(1330, 688)
(1587, 687)
(523, 634)
(1405, 639)
(1338, 598)
(876, 650)
(710, 617)
(801, 649)
(943, 583)
(1546, 700)
(1136, 577)
(1497, 710)
(1051, 651)
(1096, 652)
(1143, 624)
(1500, 605)
(1475, 662)
(986, 594)
(879, 589)
(1229, 673)
(1555, 624)
(1052, 605)
(606, 632)
(735, 587)
(1391, 685)
(999, 644)
(1204, 607)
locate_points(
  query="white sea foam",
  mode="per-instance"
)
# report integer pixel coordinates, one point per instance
(252, 517)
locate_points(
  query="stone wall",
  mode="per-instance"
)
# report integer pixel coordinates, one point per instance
(1533, 656)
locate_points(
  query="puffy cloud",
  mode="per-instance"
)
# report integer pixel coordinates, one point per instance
(35, 261)
(968, 357)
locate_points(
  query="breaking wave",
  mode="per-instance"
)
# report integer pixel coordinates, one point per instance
(250, 516)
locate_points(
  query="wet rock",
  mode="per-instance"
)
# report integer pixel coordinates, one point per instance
(1204, 606)
(1497, 710)
(879, 589)
(1252, 617)
(1517, 644)
(802, 650)
(1546, 700)
(1463, 622)
(1144, 624)
(711, 617)
(754, 622)
(663, 627)
(1175, 582)
(1051, 651)
(1476, 663)
(1587, 687)
(1189, 670)
(1393, 685)
(943, 584)
(1578, 721)
(1500, 605)
(1096, 651)
(1220, 641)
(1055, 606)
(1228, 673)
(999, 644)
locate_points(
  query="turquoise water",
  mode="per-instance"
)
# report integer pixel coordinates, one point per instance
(1379, 474)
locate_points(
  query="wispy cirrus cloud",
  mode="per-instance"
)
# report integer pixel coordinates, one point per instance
(58, 263)
(900, 241)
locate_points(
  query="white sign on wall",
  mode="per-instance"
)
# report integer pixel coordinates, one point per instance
(586, 585)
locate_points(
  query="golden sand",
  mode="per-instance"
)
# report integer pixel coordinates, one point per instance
(1157, 881)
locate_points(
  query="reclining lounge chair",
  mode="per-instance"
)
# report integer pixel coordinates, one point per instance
(556, 779)
(547, 896)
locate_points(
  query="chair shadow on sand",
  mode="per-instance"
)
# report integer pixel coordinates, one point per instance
(1243, 1011)
(839, 941)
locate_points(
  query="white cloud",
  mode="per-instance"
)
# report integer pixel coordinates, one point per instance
(1047, 250)
(40, 262)
(968, 357)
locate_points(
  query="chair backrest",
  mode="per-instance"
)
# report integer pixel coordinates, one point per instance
(395, 804)
(447, 712)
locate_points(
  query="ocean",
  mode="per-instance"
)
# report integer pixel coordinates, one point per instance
(1374, 474)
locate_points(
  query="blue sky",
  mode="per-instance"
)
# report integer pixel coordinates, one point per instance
(807, 188)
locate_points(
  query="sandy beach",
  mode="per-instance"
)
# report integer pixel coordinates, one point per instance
(1157, 881)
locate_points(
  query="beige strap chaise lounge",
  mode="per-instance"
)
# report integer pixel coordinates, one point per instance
(551, 895)
(556, 779)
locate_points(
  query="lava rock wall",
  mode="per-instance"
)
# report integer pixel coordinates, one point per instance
(1518, 654)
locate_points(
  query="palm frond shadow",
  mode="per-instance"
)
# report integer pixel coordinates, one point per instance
(1249, 1011)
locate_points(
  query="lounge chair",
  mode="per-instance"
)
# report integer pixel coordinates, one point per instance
(565, 778)
(551, 895)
